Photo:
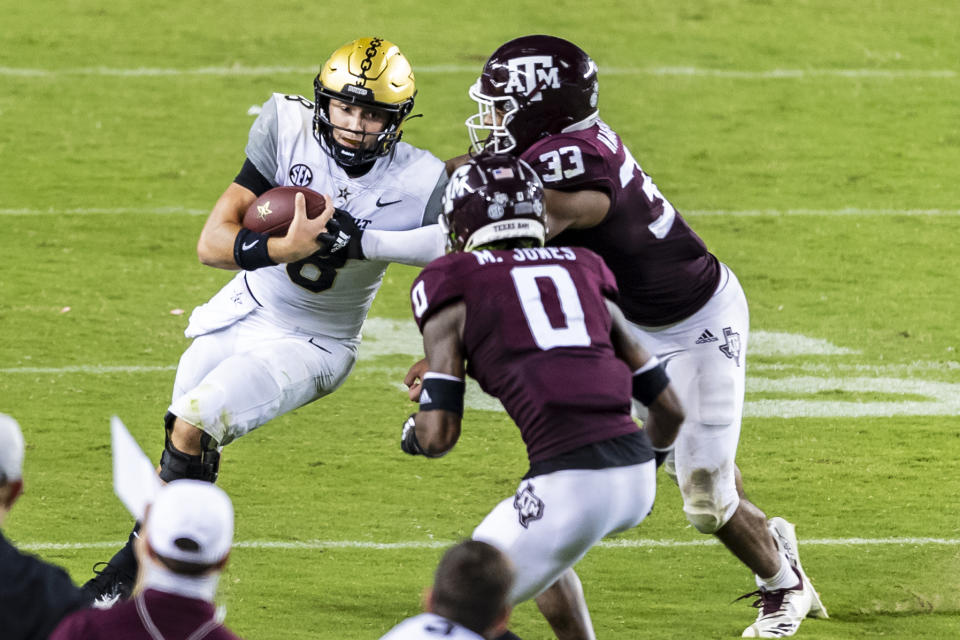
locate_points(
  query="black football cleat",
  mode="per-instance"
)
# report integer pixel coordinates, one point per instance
(109, 585)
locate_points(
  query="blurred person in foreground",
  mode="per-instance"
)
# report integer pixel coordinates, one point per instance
(34, 595)
(182, 551)
(468, 599)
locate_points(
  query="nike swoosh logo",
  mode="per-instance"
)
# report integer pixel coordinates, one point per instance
(387, 204)
(247, 247)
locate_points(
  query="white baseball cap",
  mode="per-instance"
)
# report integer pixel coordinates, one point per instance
(191, 521)
(11, 449)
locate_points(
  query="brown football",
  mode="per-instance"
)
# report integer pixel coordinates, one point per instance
(272, 212)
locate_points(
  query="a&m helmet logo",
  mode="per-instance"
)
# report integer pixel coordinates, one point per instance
(529, 73)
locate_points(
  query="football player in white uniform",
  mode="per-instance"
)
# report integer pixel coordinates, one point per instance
(468, 600)
(286, 330)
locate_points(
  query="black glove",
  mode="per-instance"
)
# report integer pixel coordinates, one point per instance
(342, 235)
(408, 439)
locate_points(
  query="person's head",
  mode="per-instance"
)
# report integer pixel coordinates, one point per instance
(363, 94)
(11, 464)
(529, 88)
(493, 202)
(471, 586)
(188, 529)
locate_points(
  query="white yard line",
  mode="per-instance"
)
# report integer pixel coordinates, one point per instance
(90, 368)
(733, 74)
(439, 544)
(105, 210)
(744, 213)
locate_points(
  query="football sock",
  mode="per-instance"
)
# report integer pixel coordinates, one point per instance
(125, 560)
(507, 635)
(785, 578)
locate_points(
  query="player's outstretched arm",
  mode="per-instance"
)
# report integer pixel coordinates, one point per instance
(651, 386)
(574, 209)
(435, 428)
(416, 247)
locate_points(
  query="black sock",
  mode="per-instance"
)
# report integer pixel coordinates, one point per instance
(507, 635)
(125, 560)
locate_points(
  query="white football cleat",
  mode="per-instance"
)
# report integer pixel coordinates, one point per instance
(782, 610)
(786, 536)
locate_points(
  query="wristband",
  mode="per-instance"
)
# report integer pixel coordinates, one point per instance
(442, 391)
(649, 380)
(250, 250)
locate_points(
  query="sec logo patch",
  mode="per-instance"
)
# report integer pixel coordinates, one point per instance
(301, 175)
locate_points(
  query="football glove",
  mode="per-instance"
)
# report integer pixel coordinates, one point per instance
(408, 439)
(342, 234)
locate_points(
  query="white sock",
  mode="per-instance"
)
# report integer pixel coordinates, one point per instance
(785, 578)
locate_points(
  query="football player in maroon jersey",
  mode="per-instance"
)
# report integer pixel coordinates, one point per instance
(538, 328)
(537, 98)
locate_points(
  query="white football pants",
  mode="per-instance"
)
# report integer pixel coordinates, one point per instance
(705, 357)
(234, 379)
(555, 518)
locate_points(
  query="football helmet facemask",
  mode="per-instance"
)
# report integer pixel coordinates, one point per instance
(531, 87)
(493, 201)
(370, 72)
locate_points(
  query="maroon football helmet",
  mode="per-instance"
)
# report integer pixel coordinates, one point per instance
(493, 201)
(532, 87)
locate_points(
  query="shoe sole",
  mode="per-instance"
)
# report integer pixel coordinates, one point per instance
(782, 529)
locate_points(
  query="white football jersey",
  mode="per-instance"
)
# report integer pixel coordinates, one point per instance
(429, 626)
(331, 296)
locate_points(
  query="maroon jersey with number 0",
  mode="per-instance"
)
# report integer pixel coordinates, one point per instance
(537, 337)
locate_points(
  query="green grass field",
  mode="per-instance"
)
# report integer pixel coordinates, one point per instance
(814, 146)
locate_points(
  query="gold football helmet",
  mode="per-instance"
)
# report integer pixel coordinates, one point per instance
(370, 72)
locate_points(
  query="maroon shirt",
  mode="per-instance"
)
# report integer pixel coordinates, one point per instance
(176, 617)
(663, 269)
(537, 337)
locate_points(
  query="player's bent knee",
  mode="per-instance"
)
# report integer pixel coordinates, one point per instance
(704, 520)
(707, 507)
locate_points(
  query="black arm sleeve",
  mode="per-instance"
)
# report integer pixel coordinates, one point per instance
(251, 178)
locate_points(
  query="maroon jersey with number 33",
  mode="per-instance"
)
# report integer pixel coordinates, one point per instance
(663, 269)
(537, 337)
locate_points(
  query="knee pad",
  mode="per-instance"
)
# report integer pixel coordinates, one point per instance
(704, 505)
(178, 465)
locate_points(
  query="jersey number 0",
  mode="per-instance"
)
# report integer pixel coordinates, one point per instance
(527, 281)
